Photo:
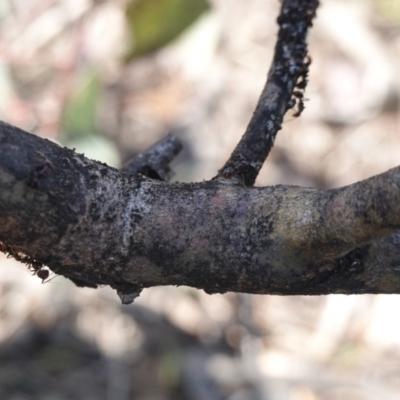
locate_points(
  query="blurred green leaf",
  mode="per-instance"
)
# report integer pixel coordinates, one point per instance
(154, 23)
(79, 121)
(80, 110)
(169, 368)
(97, 148)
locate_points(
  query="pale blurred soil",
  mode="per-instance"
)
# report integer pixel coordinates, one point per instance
(61, 342)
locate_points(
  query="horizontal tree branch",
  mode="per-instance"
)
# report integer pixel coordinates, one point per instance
(100, 226)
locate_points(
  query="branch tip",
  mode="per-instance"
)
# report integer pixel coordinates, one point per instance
(154, 162)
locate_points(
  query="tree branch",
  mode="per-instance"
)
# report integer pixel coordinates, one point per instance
(100, 226)
(154, 162)
(289, 71)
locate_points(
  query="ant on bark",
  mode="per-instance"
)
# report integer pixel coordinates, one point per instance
(297, 98)
(42, 273)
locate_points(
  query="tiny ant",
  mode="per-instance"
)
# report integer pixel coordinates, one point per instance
(300, 108)
(297, 99)
(43, 274)
(298, 94)
(302, 83)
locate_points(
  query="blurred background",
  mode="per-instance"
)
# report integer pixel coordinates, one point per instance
(109, 78)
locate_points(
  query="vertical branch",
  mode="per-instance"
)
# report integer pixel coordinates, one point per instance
(286, 82)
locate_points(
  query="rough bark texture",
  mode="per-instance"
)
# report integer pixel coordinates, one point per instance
(97, 226)
(129, 229)
(287, 79)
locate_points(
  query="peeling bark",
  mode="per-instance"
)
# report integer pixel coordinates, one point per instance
(100, 226)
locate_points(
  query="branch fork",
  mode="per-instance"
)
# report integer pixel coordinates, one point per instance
(131, 229)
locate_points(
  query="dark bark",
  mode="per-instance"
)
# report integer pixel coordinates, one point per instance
(131, 230)
(287, 79)
(100, 226)
(154, 162)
